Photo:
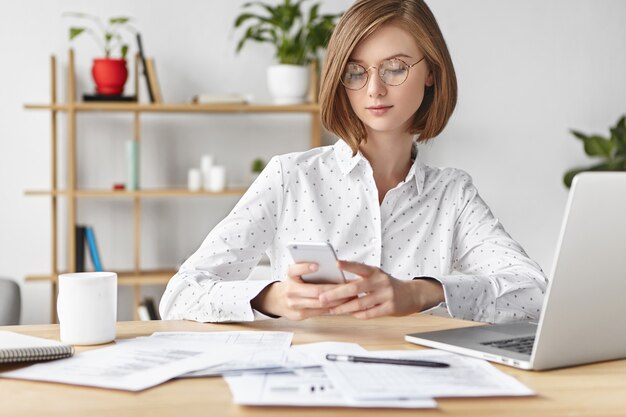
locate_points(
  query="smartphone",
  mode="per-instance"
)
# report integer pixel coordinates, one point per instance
(324, 256)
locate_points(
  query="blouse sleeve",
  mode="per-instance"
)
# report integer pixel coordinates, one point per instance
(493, 280)
(212, 285)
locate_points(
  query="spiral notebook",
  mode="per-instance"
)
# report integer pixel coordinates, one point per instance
(16, 347)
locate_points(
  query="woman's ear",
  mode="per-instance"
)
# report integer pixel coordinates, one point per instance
(430, 79)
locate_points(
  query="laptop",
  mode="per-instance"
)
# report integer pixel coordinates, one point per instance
(583, 318)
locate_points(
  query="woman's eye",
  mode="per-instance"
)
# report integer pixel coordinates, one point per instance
(356, 76)
(393, 72)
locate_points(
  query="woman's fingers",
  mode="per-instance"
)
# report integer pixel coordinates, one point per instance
(355, 287)
(380, 310)
(357, 304)
(297, 270)
(342, 292)
(358, 268)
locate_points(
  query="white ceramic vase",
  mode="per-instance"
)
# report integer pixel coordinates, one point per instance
(288, 84)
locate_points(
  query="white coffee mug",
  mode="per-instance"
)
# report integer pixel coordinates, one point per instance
(87, 307)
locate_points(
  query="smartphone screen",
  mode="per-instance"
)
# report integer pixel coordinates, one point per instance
(324, 256)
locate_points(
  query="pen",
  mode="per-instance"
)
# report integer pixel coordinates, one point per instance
(386, 361)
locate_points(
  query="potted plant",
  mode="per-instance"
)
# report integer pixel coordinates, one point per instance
(297, 39)
(109, 73)
(257, 167)
(611, 150)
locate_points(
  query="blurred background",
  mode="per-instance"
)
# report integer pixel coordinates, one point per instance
(528, 72)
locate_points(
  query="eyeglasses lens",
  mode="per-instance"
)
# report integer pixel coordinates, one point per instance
(391, 71)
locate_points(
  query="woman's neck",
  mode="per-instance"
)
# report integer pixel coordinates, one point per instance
(390, 159)
(389, 155)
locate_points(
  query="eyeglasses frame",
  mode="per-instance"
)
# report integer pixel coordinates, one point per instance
(367, 71)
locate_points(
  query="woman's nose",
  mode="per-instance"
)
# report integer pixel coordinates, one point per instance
(375, 86)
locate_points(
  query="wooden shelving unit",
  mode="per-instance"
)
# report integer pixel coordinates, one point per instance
(71, 109)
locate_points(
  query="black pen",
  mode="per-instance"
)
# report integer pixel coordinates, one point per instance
(386, 361)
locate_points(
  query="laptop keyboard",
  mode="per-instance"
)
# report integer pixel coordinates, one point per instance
(519, 344)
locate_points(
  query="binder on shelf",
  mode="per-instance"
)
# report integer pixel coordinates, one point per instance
(147, 311)
(16, 347)
(152, 311)
(144, 65)
(93, 248)
(79, 265)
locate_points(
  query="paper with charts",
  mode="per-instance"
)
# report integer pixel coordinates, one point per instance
(466, 377)
(137, 364)
(308, 386)
(261, 351)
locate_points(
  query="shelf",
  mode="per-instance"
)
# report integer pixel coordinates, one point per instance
(158, 277)
(148, 193)
(73, 196)
(177, 107)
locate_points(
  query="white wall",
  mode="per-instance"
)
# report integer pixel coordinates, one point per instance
(528, 71)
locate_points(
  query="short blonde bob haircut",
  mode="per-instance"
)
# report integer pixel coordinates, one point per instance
(360, 21)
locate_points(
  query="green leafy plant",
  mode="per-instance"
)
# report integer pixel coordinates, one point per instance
(108, 36)
(257, 166)
(297, 39)
(612, 151)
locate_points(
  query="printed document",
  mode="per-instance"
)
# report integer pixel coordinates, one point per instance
(260, 351)
(466, 377)
(306, 384)
(133, 365)
(305, 387)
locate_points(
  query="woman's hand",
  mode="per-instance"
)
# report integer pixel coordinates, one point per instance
(382, 295)
(293, 298)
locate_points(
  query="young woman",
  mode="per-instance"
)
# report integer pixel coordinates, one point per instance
(415, 237)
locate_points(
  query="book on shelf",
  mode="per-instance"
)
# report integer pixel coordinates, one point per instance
(153, 80)
(79, 265)
(220, 99)
(142, 312)
(17, 347)
(93, 248)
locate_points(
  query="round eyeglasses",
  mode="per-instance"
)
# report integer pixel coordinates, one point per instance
(392, 72)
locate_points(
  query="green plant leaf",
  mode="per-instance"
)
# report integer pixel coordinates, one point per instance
(598, 146)
(244, 17)
(258, 165)
(269, 9)
(616, 165)
(579, 135)
(74, 32)
(618, 136)
(108, 36)
(313, 13)
(569, 176)
(119, 20)
(297, 39)
(124, 51)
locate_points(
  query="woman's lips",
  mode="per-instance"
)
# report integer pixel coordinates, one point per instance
(378, 110)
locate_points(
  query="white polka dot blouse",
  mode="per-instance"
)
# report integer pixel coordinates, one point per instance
(432, 224)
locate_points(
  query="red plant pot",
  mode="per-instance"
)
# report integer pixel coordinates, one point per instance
(109, 75)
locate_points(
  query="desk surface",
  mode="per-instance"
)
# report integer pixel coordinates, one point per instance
(597, 389)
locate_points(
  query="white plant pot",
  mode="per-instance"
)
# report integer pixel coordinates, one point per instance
(288, 84)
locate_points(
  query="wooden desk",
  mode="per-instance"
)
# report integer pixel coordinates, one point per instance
(591, 390)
